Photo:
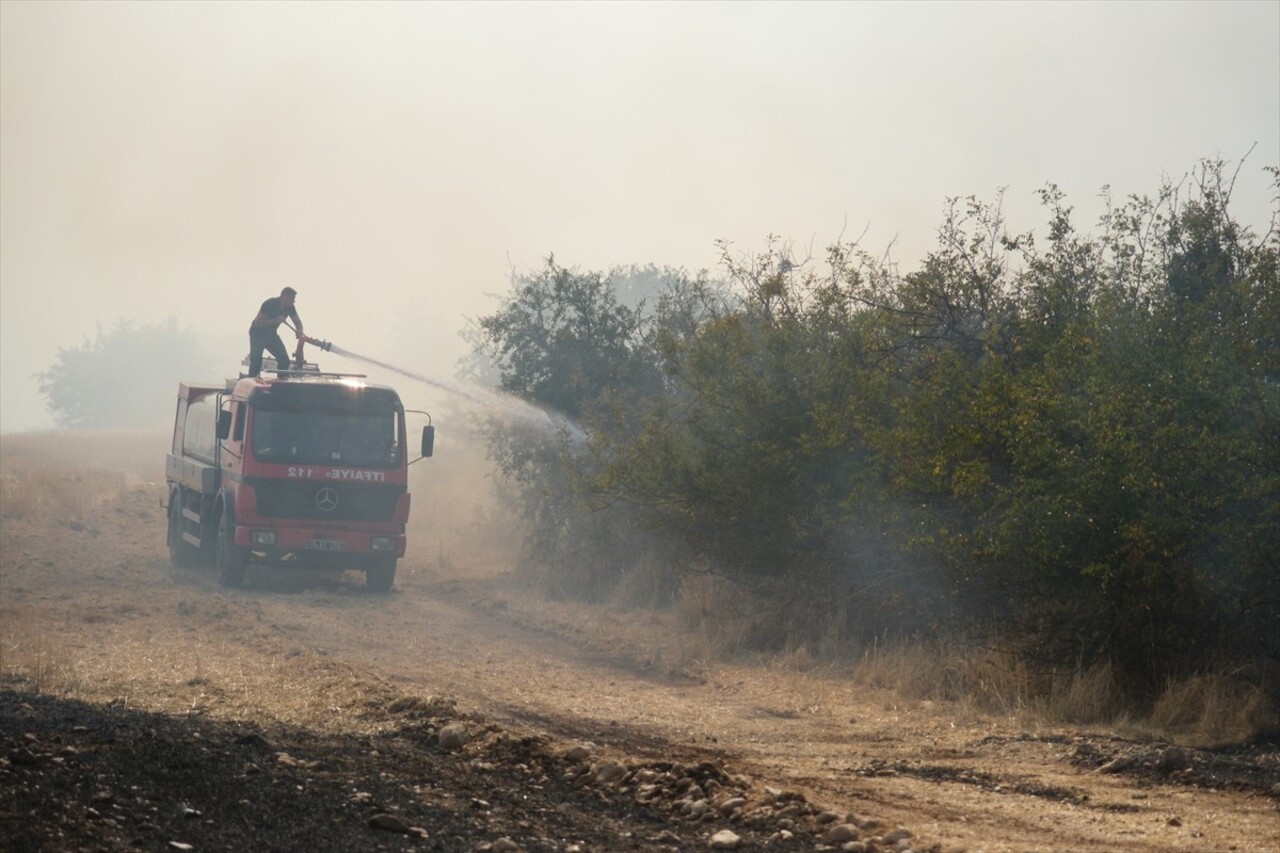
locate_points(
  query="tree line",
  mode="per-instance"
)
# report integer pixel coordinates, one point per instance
(1065, 441)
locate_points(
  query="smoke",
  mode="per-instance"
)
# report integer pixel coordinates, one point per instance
(506, 406)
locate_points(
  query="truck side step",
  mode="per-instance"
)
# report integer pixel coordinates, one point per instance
(191, 539)
(191, 515)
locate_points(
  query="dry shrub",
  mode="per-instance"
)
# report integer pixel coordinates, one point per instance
(1204, 709)
(715, 616)
(1090, 695)
(1212, 709)
(31, 653)
(984, 678)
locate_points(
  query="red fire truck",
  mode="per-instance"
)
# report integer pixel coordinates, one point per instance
(298, 468)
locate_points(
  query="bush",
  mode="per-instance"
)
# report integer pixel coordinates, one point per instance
(1075, 442)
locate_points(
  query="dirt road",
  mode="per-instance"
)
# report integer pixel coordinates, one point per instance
(91, 606)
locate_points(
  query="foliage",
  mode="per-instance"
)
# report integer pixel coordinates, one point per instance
(1074, 438)
(563, 341)
(124, 377)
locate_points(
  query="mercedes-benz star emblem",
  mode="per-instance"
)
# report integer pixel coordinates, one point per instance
(327, 499)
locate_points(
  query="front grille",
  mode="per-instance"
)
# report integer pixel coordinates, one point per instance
(326, 501)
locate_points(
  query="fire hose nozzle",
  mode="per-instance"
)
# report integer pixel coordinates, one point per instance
(316, 342)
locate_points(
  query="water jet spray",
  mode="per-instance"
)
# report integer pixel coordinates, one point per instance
(507, 405)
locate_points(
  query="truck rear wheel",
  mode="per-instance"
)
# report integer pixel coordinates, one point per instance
(380, 576)
(231, 561)
(181, 552)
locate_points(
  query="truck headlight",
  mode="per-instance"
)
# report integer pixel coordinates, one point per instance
(383, 543)
(262, 537)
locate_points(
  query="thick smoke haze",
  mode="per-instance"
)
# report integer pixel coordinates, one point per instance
(396, 162)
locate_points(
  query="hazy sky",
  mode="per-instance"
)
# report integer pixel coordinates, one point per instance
(396, 162)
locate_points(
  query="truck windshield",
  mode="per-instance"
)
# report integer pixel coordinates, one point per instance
(317, 438)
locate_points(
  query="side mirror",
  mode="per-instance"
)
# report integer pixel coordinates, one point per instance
(428, 439)
(224, 425)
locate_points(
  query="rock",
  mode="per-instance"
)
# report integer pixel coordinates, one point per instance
(389, 823)
(1117, 764)
(725, 839)
(180, 845)
(854, 847)
(897, 835)
(23, 756)
(504, 845)
(730, 805)
(1172, 759)
(840, 833)
(253, 739)
(827, 817)
(610, 772)
(453, 736)
(579, 752)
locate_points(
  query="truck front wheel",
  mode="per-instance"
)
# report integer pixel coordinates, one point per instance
(380, 576)
(231, 561)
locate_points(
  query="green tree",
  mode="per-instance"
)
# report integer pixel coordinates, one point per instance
(563, 341)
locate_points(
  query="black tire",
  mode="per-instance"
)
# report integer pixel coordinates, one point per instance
(181, 553)
(230, 560)
(380, 576)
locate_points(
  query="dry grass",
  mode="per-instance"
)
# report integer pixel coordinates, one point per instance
(61, 493)
(714, 616)
(1211, 709)
(715, 620)
(984, 679)
(36, 656)
(71, 474)
(1087, 695)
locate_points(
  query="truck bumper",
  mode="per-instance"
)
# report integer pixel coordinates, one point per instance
(320, 543)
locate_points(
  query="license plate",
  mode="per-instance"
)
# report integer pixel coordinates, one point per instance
(322, 545)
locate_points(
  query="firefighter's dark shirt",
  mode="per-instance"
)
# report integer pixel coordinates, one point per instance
(273, 307)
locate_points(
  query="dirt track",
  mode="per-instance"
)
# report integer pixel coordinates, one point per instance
(95, 599)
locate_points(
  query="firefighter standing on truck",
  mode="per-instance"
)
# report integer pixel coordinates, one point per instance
(263, 334)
